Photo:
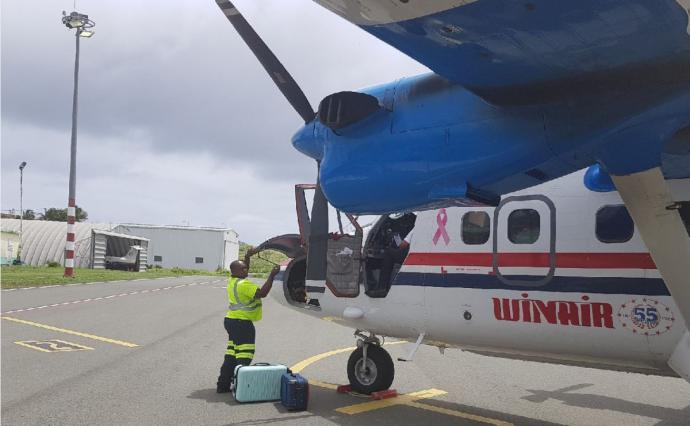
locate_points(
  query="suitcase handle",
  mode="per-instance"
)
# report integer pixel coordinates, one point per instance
(262, 363)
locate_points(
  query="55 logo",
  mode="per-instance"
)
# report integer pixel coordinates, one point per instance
(648, 317)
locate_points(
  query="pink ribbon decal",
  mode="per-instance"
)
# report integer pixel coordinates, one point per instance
(441, 220)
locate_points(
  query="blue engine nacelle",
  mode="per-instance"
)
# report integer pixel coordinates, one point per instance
(423, 142)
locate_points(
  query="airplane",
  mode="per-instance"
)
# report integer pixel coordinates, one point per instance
(521, 93)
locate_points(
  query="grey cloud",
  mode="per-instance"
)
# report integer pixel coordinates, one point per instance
(172, 78)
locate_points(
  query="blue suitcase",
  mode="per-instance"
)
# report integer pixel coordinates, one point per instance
(294, 391)
(258, 382)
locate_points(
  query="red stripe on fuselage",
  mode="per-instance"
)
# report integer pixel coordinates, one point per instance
(536, 260)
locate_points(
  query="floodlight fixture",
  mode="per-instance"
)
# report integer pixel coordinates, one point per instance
(77, 20)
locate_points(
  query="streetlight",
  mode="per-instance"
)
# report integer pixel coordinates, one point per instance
(21, 210)
(84, 28)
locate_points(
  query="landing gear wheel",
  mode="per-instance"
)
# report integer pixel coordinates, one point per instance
(374, 375)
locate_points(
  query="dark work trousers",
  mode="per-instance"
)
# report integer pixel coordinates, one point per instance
(241, 338)
(391, 257)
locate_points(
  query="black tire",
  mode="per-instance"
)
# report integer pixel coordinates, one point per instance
(373, 379)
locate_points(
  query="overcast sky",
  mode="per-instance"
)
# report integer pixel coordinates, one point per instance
(178, 122)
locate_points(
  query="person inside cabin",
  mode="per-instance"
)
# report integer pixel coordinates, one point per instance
(394, 254)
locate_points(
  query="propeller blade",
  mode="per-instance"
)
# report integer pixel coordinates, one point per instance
(271, 64)
(318, 237)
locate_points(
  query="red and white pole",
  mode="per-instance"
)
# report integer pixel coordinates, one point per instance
(69, 246)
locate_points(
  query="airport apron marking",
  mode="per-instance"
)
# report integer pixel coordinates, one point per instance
(75, 333)
(410, 400)
(94, 299)
(53, 345)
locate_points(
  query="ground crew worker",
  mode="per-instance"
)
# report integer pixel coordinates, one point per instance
(244, 299)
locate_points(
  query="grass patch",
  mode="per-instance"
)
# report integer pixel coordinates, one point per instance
(31, 276)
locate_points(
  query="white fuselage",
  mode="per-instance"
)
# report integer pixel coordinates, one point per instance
(556, 294)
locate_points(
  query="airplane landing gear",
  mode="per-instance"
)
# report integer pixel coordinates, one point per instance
(370, 368)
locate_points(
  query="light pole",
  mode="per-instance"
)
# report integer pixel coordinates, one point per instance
(84, 28)
(21, 210)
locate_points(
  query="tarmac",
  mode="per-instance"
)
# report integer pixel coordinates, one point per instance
(149, 351)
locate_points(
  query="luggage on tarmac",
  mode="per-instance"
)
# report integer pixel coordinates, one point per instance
(294, 391)
(257, 382)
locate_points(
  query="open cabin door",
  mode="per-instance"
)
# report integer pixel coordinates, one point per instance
(524, 241)
(343, 250)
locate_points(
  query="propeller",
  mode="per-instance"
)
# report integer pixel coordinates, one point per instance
(318, 237)
(271, 64)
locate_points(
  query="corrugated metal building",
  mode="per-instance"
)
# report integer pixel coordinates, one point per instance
(44, 241)
(187, 246)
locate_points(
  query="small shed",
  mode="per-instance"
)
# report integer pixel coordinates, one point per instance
(107, 243)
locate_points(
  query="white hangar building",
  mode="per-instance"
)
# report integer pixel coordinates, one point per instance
(167, 246)
(189, 247)
(44, 241)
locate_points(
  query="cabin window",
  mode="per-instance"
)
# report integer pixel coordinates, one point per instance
(476, 227)
(614, 224)
(523, 226)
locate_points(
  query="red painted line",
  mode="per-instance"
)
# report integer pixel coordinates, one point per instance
(536, 260)
(70, 236)
(70, 220)
(69, 254)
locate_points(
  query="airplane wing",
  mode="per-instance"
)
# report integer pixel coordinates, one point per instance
(503, 49)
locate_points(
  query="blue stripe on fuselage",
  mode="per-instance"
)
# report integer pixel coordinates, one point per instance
(501, 43)
(558, 284)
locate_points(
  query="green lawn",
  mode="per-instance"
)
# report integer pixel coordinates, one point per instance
(30, 276)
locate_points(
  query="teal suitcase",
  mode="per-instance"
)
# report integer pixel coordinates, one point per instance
(258, 382)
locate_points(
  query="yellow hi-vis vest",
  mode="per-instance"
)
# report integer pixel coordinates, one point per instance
(242, 303)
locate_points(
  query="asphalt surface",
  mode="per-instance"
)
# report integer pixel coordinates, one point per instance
(169, 377)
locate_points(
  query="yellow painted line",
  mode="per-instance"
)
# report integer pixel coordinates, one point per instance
(403, 399)
(309, 361)
(456, 413)
(324, 385)
(75, 333)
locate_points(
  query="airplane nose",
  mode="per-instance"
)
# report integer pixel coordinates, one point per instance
(307, 142)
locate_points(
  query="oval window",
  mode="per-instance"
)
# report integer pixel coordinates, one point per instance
(476, 227)
(614, 224)
(523, 226)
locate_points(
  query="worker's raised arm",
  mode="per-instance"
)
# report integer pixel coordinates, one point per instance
(266, 288)
(247, 256)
